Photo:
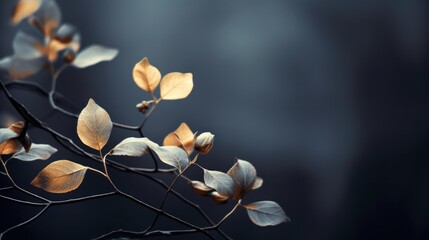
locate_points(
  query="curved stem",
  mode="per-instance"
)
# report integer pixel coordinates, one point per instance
(26, 222)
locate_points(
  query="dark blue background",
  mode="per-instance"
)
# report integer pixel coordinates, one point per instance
(328, 100)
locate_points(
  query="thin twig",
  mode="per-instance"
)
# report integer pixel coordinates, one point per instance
(26, 222)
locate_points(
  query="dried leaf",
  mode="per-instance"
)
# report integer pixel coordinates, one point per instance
(60, 177)
(36, 152)
(176, 85)
(200, 188)
(17, 127)
(146, 76)
(10, 146)
(94, 126)
(48, 17)
(220, 181)
(244, 175)
(6, 134)
(258, 183)
(133, 147)
(93, 55)
(173, 156)
(24, 9)
(181, 137)
(18, 68)
(266, 213)
(9, 143)
(26, 46)
(218, 198)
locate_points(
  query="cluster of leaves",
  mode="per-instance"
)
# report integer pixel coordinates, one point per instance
(180, 149)
(51, 43)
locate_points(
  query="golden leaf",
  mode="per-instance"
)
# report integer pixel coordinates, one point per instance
(146, 76)
(24, 9)
(94, 126)
(182, 137)
(176, 85)
(10, 146)
(60, 177)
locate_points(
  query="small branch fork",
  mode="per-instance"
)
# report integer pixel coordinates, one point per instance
(71, 146)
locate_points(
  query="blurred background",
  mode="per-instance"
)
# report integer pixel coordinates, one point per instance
(327, 99)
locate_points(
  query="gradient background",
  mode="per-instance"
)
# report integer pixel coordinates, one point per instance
(328, 99)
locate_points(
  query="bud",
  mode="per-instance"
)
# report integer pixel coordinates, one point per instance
(69, 55)
(25, 142)
(143, 106)
(204, 142)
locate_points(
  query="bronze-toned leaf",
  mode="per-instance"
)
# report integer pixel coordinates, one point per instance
(48, 17)
(146, 76)
(220, 181)
(244, 175)
(176, 85)
(36, 152)
(60, 177)
(24, 9)
(26, 46)
(133, 147)
(266, 213)
(94, 126)
(18, 68)
(173, 156)
(182, 137)
(200, 188)
(10, 146)
(10, 143)
(93, 55)
(218, 198)
(17, 127)
(258, 183)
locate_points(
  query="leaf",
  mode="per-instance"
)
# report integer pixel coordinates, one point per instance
(181, 137)
(36, 152)
(6, 133)
(24, 9)
(12, 145)
(94, 126)
(176, 85)
(93, 55)
(244, 175)
(173, 156)
(48, 17)
(133, 147)
(218, 198)
(266, 213)
(146, 76)
(26, 46)
(220, 181)
(18, 68)
(258, 183)
(200, 188)
(60, 177)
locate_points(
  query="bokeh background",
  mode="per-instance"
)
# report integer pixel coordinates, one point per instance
(328, 99)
